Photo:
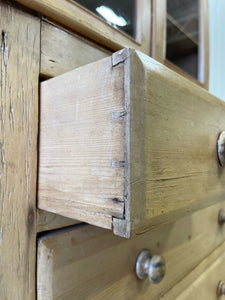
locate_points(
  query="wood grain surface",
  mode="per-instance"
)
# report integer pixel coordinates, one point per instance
(81, 20)
(62, 51)
(175, 160)
(158, 45)
(203, 281)
(82, 184)
(91, 263)
(20, 55)
(49, 221)
(159, 131)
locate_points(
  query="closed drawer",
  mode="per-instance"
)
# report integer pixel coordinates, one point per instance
(205, 282)
(127, 144)
(89, 262)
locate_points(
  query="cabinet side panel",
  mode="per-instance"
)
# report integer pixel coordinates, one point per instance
(82, 144)
(20, 51)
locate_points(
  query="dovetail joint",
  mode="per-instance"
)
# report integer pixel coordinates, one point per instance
(118, 115)
(117, 164)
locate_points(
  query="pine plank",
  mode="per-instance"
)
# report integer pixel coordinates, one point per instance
(20, 54)
(203, 281)
(49, 221)
(84, 183)
(62, 51)
(90, 263)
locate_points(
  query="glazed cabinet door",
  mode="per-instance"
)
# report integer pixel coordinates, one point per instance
(180, 37)
(19, 77)
(127, 144)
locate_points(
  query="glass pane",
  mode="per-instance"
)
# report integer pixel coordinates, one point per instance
(120, 14)
(182, 34)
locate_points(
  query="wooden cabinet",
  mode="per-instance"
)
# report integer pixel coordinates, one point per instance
(77, 18)
(126, 144)
(188, 54)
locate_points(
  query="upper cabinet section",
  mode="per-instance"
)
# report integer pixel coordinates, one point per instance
(114, 25)
(180, 37)
(128, 144)
(174, 32)
(119, 14)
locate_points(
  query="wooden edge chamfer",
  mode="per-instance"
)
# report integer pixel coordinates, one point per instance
(134, 90)
(122, 227)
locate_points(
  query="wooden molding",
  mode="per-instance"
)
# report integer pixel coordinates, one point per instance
(79, 19)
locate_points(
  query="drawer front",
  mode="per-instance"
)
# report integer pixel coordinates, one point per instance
(127, 144)
(89, 262)
(205, 282)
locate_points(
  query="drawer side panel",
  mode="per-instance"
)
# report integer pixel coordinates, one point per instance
(82, 144)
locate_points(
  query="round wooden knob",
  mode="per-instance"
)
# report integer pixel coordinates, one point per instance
(221, 148)
(221, 217)
(220, 289)
(149, 266)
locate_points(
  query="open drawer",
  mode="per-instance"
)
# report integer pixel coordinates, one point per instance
(127, 144)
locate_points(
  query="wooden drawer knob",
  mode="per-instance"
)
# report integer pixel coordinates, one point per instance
(221, 289)
(221, 148)
(152, 266)
(221, 217)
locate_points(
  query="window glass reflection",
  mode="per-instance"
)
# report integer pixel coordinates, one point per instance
(182, 34)
(120, 14)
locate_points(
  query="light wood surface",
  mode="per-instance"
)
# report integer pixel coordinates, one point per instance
(83, 185)
(158, 45)
(177, 156)
(202, 282)
(62, 51)
(79, 19)
(49, 221)
(91, 263)
(155, 132)
(20, 54)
